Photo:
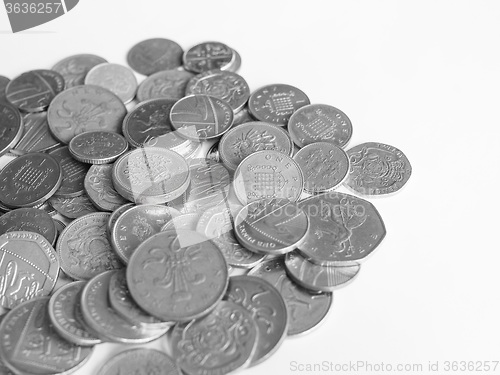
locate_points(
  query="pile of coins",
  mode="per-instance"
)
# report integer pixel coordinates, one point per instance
(122, 225)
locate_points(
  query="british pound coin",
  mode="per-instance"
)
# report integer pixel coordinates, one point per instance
(201, 117)
(344, 229)
(29, 267)
(324, 166)
(82, 109)
(150, 175)
(305, 309)
(228, 86)
(97, 147)
(102, 318)
(319, 278)
(148, 120)
(11, 127)
(33, 91)
(116, 78)
(73, 208)
(84, 249)
(220, 343)
(271, 226)
(30, 344)
(153, 55)
(268, 309)
(36, 136)
(99, 188)
(31, 220)
(29, 180)
(73, 173)
(377, 169)
(115, 215)
(140, 361)
(167, 84)
(63, 305)
(209, 187)
(208, 56)
(74, 69)
(320, 123)
(125, 306)
(177, 275)
(252, 137)
(217, 224)
(268, 174)
(276, 103)
(136, 225)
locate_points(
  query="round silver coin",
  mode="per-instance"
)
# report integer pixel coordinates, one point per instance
(102, 318)
(268, 309)
(150, 175)
(177, 275)
(137, 224)
(201, 117)
(153, 55)
(97, 147)
(74, 69)
(219, 343)
(63, 305)
(33, 91)
(208, 56)
(276, 103)
(377, 169)
(228, 86)
(318, 278)
(252, 137)
(320, 123)
(324, 166)
(305, 309)
(168, 84)
(99, 188)
(73, 208)
(117, 78)
(344, 229)
(84, 108)
(140, 361)
(268, 174)
(271, 226)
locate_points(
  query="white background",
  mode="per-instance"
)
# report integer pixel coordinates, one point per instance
(423, 76)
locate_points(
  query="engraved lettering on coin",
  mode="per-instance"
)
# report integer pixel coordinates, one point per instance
(344, 229)
(98, 147)
(320, 123)
(276, 103)
(377, 169)
(227, 86)
(31, 220)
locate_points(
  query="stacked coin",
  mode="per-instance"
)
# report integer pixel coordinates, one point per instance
(122, 226)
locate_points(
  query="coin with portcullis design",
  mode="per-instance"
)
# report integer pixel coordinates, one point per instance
(29, 180)
(268, 174)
